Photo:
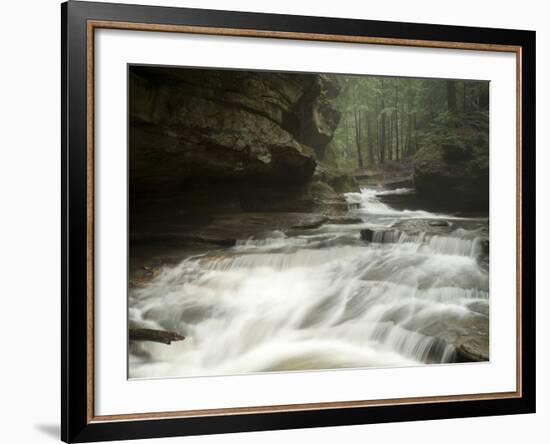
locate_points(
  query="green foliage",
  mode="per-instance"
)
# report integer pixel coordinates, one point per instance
(390, 118)
(340, 180)
(455, 138)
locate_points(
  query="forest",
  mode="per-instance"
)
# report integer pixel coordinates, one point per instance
(389, 118)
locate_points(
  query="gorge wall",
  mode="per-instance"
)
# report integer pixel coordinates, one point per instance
(250, 138)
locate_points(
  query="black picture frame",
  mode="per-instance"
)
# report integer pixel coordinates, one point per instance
(76, 423)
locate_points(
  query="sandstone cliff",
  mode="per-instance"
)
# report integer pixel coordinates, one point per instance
(232, 127)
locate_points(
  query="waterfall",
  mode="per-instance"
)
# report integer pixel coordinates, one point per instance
(321, 299)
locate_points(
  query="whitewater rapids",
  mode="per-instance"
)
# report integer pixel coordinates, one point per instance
(318, 300)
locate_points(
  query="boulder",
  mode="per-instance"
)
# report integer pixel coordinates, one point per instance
(340, 181)
(473, 350)
(451, 166)
(455, 186)
(469, 335)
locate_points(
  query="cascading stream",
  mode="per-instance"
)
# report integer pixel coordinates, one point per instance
(322, 299)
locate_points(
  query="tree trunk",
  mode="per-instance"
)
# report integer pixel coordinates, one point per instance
(464, 104)
(383, 136)
(483, 98)
(390, 146)
(402, 128)
(415, 146)
(357, 115)
(396, 135)
(395, 119)
(370, 141)
(346, 126)
(377, 127)
(383, 126)
(451, 96)
(408, 142)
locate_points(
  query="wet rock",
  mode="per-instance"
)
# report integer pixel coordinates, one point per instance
(468, 334)
(436, 351)
(413, 226)
(182, 235)
(225, 229)
(439, 223)
(344, 220)
(480, 307)
(222, 241)
(310, 221)
(380, 236)
(142, 275)
(326, 200)
(454, 186)
(367, 234)
(404, 182)
(340, 181)
(473, 350)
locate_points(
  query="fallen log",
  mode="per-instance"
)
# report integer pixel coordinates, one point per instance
(146, 334)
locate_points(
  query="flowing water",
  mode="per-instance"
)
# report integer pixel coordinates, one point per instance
(321, 298)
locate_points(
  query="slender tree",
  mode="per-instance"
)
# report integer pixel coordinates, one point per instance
(346, 126)
(370, 138)
(451, 96)
(357, 116)
(389, 138)
(401, 127)
(383, 126)
(464, 105)
(396, 115)
(483, 98)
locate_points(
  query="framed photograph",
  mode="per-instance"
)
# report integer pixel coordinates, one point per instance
(276, 221)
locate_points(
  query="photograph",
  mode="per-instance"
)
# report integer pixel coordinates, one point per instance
(300, 221)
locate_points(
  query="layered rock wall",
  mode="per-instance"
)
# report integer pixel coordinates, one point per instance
(189, 126)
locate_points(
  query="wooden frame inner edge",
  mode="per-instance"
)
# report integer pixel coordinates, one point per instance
(90, 28)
